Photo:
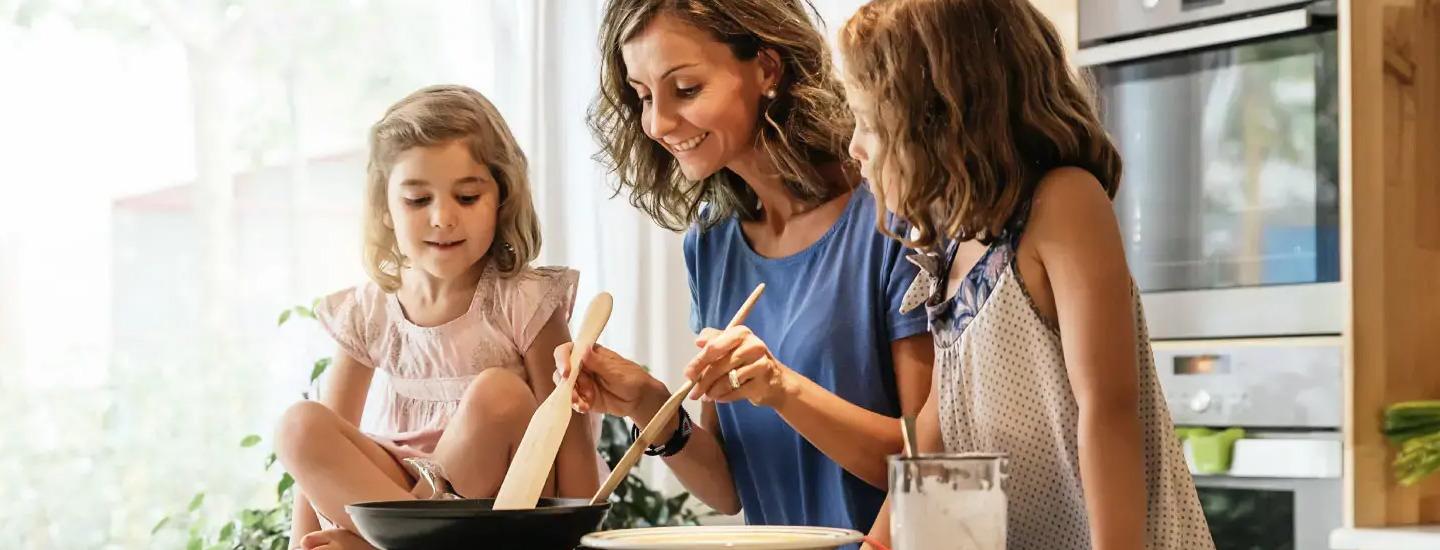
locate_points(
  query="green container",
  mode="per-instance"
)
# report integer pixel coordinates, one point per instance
(1211, 450)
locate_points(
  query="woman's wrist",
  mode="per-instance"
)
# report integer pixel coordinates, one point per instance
(651, 399)
(785, 385)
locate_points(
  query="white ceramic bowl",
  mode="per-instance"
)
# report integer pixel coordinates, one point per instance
(737, 537)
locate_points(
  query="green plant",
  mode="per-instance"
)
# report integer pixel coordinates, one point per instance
(634, 503)
(263, 528)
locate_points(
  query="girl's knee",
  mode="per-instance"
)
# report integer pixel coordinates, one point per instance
(298, 426)
(499, 394)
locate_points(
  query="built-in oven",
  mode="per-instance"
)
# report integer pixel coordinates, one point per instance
(1278, 484)
(1226, 115)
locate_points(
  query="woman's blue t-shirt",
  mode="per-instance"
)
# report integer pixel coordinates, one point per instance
(830, 313)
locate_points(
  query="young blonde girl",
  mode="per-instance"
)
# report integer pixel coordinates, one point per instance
(462, 326)
(971, 126)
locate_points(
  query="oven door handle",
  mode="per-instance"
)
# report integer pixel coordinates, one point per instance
(1228, 32)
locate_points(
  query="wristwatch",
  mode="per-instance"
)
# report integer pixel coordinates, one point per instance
(671, 446)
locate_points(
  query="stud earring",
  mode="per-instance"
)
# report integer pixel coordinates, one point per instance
(771, 93)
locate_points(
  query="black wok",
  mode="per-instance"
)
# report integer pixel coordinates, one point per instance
(556, 524)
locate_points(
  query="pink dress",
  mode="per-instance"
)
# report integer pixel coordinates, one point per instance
(429, 368)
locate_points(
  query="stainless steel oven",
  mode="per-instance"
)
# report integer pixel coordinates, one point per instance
(1281, 489)
(1226, 115)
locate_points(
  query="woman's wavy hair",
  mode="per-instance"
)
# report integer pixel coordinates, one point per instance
(804, 127)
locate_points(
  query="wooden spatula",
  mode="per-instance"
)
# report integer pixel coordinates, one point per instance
(536, 455)
(662, 416)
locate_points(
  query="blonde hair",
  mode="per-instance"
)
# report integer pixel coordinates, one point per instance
(806, 125)
(433, 116)
(974, 103)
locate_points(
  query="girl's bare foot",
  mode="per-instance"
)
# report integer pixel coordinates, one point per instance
(334, 539)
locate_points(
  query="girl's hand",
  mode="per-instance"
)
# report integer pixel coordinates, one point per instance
(758, 376)
(608, 383)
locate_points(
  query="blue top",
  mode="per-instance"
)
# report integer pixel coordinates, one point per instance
(829, 312)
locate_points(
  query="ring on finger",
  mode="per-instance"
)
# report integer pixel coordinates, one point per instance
(734, 380)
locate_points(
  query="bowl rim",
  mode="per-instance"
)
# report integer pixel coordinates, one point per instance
(828, 536)
(465, 508)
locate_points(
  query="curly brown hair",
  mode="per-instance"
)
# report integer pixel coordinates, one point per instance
(433, 116)
(806, 126)
(974, 103)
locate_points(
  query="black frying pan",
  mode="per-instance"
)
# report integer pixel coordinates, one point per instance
(556, 524)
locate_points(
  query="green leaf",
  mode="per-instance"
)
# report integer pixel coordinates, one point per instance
(284, 316)
(304, 312)
(196, 543)
(315, 304)
(249, 519)
(195, 502)
(319, 368)
(269, 461)
(285, 483)
(227, 531)
(250, 441)
(159, 525)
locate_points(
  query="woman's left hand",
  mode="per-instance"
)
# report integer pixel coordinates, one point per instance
(757, 375)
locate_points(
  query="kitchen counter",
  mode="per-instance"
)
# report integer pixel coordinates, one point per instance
(1413, 537)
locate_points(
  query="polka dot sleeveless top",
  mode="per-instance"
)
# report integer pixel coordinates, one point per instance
(1001, 382)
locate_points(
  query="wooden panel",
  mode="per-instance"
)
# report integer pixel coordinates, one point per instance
(1390, 184)
(1425, 52)
(1424, 151)
(1359, 39)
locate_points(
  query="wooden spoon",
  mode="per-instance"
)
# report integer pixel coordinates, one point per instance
(535, 456)
(907, 434)
(657, 422)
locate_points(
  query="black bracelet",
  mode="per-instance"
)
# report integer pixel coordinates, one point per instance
(674, 444)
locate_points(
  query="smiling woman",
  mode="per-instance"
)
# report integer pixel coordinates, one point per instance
(761, 83)
(734, 104)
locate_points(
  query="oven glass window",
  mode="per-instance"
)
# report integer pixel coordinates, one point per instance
(1230, 164)
(1249, 519)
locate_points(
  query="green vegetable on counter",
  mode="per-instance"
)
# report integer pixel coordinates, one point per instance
(1414, 427)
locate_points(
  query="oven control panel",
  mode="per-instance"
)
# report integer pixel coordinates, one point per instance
(1290, 382)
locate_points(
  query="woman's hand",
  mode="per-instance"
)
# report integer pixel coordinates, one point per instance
(736, 365)
(608, 382)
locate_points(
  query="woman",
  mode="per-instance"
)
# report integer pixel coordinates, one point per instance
(733, 105)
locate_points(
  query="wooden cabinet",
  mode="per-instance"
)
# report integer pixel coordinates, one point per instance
(1390, 197)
